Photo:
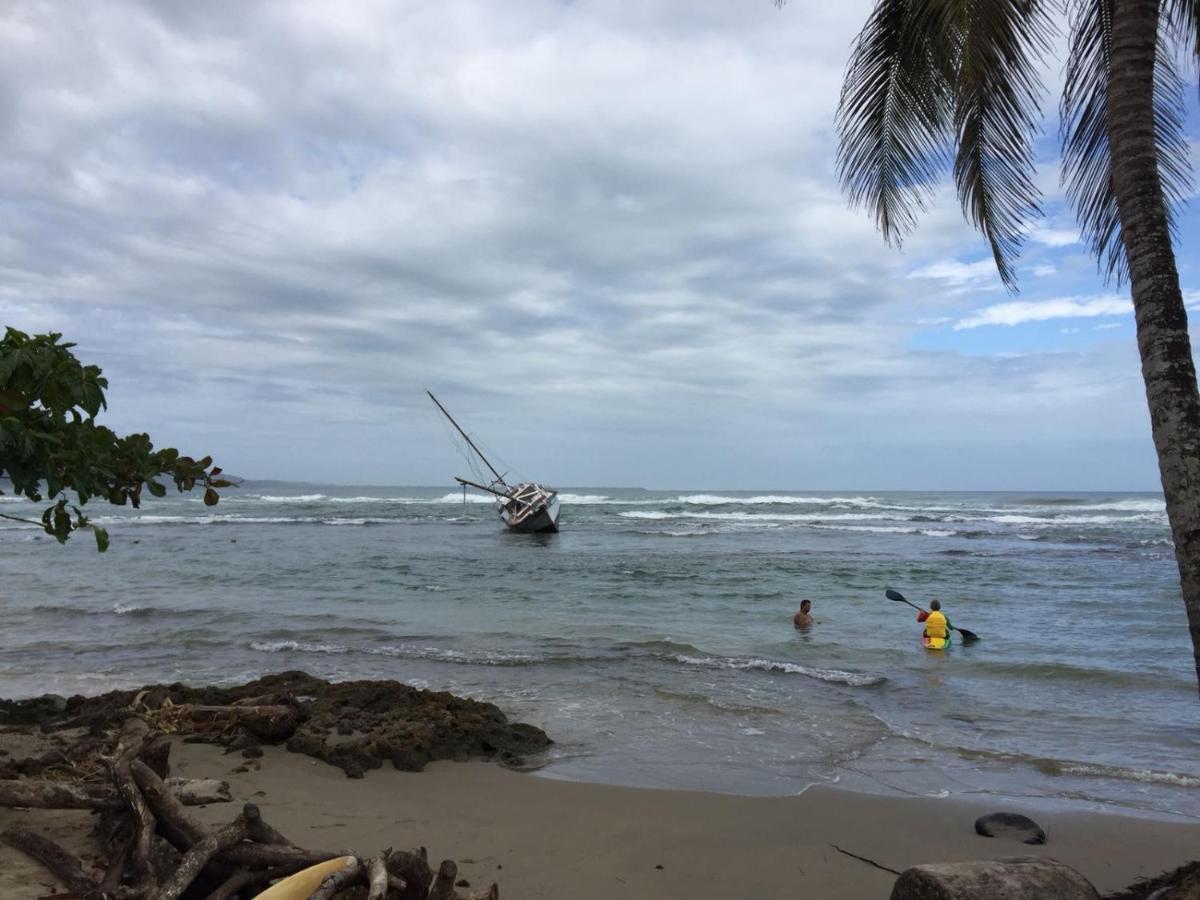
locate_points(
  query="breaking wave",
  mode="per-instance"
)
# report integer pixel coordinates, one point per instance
(836, 676)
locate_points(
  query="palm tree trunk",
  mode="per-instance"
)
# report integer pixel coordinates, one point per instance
(1162, 330)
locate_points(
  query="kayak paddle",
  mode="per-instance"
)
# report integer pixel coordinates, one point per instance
(969, 637)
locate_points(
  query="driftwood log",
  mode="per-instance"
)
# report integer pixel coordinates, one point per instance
(156, 851)
(1017, 878)
(29, 794)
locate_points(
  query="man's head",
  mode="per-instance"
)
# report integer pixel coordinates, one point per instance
(935, 605)
(805, 605)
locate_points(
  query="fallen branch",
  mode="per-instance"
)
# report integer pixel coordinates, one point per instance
(245, 878)
(443, 884)
(65, 866)
(377, 879)
(336, 881)
(58, 795)
(133, 737)
(198, 857)
(65, 795)
(869, 862)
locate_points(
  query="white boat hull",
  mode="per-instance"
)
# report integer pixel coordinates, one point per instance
(532, 509)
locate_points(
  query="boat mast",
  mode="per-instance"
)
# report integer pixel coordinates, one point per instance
(467, 438)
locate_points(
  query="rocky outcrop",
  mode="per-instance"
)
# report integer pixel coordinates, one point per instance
(356, 725)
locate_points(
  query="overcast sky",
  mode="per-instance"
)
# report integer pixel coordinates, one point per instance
(607, 234)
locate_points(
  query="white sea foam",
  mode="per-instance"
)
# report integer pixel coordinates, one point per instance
(442, 654)
(1145, 776)
(295, 647)
(760, 517)
(122, 609)
(298, 498)
(855, 679)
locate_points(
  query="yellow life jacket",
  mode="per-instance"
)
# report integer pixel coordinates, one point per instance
(935, 626)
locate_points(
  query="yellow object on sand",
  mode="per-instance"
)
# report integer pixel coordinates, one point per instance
(304, 882)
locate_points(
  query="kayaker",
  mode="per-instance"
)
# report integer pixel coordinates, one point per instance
(803, 618)
(937, 626)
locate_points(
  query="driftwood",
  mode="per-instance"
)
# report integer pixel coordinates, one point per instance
(156, 851)
(64, 865)
(994, 879)
(129, 745)
(66, 795)
(200, 854)
(268, 723)
(343, 878)
(58, 795)
(377, 879)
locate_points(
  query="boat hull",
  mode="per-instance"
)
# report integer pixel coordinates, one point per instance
(540, 517)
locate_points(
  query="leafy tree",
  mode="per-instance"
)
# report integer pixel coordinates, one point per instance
(933, 84)
(48, 435)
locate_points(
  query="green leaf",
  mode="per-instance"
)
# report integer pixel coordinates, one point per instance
(101, 538)
(155, 488)
(211, 497)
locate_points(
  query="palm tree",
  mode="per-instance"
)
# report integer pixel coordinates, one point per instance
(937, 83)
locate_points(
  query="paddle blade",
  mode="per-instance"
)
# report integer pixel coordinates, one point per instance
(968, 637)
(894, 595)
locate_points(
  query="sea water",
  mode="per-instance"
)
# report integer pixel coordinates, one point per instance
(652, 637)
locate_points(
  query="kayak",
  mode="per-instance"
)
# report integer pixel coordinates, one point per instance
(932, 643)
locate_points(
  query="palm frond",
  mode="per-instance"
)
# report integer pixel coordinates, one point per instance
(894, 115)
(1087, 163)
(997, 113)
(1182, 18)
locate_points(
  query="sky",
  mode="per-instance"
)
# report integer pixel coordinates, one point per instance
(608, 235)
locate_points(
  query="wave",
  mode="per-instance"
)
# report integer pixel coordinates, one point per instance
(758, 517)
(296, 647)
(837, 676)
(403, 651)
(232, 519)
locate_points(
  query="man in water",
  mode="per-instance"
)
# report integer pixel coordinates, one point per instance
(803, 618)
(937, 626)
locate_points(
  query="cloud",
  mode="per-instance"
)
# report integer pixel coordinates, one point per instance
(953, 272)
(1053, 237)
(1018, 312)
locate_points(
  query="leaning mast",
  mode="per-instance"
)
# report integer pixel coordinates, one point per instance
(467, 438)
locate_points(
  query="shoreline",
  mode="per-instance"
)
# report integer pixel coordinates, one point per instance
(547, 838)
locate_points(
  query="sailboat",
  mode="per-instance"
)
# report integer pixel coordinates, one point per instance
(527, 507)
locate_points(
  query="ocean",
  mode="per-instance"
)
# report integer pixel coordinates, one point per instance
(652, 637)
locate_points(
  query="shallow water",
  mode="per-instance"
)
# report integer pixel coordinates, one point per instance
(652, 637)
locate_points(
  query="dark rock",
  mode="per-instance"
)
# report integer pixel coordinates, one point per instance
(356, 725)
(54, 702)
(1010, 825)
(1020, 878)
(462, 882)
(252, 752)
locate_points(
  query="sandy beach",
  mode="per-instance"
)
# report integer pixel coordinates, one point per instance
(545, 838)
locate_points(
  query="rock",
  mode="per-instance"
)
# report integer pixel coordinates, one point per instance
(1010, 825)
(54, 703)
(1018, 878)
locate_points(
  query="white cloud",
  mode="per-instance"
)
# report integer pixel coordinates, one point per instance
(1053, 237)
(1042, 270)
(953, 272)
(1017, 312)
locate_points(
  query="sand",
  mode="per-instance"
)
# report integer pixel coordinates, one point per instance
(543, 838)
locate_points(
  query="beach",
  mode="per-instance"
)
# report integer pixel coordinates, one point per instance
(546, 838)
